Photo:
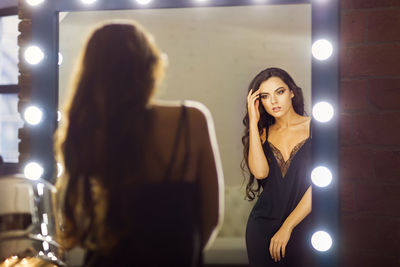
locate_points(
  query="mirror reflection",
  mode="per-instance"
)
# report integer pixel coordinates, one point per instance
(213, 53)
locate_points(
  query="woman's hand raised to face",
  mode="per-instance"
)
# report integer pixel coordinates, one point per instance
(252, 106)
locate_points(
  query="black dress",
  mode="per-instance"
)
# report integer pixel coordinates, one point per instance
(164, 220)
(283, 188)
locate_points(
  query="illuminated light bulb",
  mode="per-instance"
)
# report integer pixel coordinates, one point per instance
(34, 2)
(88, 2)
(59, 169)
(143, 2)
(50, 255)
(33, 171)
(322, 49)
(41, 253)
(33, 55)
(321, 176)
(323, 111)
(60, 58)
(321, 241)
(33, 115)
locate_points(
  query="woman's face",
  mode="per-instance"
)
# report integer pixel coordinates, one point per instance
(276, 97)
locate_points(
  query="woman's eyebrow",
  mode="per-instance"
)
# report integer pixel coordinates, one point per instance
(265, 93)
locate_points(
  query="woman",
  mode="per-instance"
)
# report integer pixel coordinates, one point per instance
(143, 181)
(277, 152)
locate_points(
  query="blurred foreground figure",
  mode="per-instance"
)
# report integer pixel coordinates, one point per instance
(143, 180)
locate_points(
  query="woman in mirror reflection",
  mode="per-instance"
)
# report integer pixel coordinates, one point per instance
(143, 179)
(277, 153)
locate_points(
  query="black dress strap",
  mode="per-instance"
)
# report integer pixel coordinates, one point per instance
(182, 128)
(187, 143)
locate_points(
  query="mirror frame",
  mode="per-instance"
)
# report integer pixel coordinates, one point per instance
(39, 86)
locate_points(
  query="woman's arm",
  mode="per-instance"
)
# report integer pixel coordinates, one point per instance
(300, 212)
(209, 174)
(258, 163)
(281, 238)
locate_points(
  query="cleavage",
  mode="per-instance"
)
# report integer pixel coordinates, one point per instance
(291, 151)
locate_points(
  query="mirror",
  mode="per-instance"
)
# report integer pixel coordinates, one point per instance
(213, 54)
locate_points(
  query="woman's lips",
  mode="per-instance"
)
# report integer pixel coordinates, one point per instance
(276, 109)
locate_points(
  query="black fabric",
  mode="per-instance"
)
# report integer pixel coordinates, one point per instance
(279, 197)
(165, 216)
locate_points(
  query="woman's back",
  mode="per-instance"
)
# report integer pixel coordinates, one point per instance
(169, 140)
(163, 212)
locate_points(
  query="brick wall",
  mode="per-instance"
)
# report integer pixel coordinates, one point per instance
(370, 133)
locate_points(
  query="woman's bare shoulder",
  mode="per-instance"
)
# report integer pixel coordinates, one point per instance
(302, 122)
(196, 110)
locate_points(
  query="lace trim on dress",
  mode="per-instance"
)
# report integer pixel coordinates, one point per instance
(284, 165)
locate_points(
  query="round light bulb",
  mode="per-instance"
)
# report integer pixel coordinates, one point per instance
(321, 241)
(33, 171)
(321, 176)
(323, 111)
(143, 2)
(322, 49)
(33, 115)
(33, 55)
(34, 2)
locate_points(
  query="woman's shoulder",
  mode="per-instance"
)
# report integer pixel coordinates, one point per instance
(196, 110)
(304, 120)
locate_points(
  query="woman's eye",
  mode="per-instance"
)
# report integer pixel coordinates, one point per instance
(263, 96)
(281, 92)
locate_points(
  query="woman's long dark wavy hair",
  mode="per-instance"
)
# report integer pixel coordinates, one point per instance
(265, 121)
(105, 131)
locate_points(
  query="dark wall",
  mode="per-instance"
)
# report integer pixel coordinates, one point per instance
(370, 133)
(8, 3)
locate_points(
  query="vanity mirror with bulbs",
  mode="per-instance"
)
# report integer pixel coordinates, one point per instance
(214, 48)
